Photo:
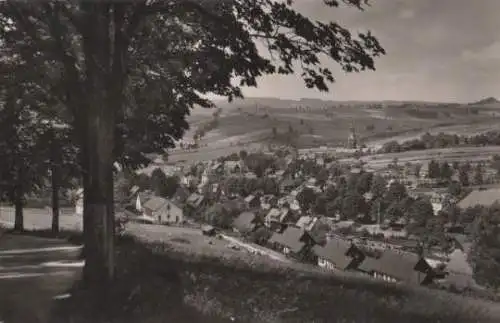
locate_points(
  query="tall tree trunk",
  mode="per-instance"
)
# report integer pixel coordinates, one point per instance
(98, 154)
(18, 202)
(54, 162)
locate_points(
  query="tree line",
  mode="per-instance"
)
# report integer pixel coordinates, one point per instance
(442, 140)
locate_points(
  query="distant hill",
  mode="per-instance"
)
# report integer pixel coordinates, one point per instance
(487, 101)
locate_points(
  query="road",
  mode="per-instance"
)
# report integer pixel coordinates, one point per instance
(35, 273)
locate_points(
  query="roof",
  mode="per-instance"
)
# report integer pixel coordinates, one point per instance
(305, 222)
(290, 238)
(397, 265)
(244, 222)
(249, 198)
(335, 252)
(480, 197)
(195, 199)
(277, 215)
(155, 203)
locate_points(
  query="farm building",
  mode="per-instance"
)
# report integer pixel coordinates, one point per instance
(163, 210)
(394, 267)
(338, 254)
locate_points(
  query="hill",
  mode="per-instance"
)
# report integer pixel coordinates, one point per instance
(313, 122)
(487, 101)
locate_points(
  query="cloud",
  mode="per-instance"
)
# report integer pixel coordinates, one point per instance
(406, 14)
(488, 53)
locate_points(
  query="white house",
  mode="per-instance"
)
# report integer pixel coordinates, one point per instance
(163, 210)
(79, 202)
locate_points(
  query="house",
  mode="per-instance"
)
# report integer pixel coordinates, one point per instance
(231, 166)
(195, 201)
(306, 222)
(252, 201)
(482, 197)
(294, 242)
(246, 222)
(287, 185)
(338, 254)
(394, 266)
(163, 210)
(181, 194)
(79, 202)
(275, 218)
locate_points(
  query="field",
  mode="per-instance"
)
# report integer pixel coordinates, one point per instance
(40, 219)
(248, 124)
(446, 154)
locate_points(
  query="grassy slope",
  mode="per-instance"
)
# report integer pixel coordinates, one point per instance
(158, 284)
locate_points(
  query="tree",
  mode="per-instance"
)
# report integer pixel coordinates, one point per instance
(320, 205)
(322, 177)
(159, 182)
(396, 192)
(21, 142)
(478, 174)
(378, 186)
(243, 154)
(261, 235)
(446, 171)
(352, 205)
(306, 198)
(275, 132)
(421, 211)
(331, 193)
(463, 177)
(455, 188)
(485, 252)
(364, 183)
(434, 169)
(126, 45)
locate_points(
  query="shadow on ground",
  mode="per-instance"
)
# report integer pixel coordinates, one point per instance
(154, 287)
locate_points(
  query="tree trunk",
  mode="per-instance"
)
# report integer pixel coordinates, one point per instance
(55, 185)
(98, 152)
(19, 203)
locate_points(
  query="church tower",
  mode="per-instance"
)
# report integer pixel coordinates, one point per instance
(352, 140)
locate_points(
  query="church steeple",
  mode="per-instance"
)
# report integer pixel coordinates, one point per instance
(352, 140)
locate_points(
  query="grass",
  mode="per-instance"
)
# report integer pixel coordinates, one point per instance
(158, 284)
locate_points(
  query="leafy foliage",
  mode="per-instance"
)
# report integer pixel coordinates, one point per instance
(485, 253)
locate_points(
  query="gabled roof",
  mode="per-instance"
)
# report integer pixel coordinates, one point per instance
(249, 198)
(402, 266)
(305, 222)
(195, 199)
(155, 203)
(290, 238)
(335, 251)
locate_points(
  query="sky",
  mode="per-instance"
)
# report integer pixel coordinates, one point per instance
(437, 50)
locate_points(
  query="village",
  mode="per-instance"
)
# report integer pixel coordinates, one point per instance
(408, 223)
